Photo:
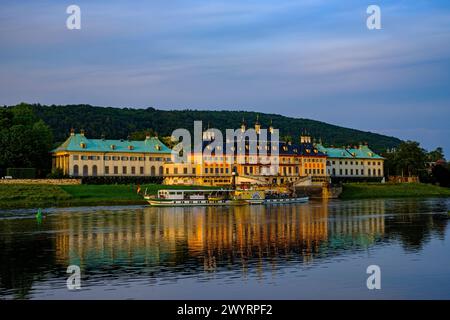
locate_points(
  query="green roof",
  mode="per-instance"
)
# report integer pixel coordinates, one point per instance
(362, 152)
(78, 142)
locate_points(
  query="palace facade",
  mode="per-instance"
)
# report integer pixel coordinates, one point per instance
(293, 162)
(81, 156)
(266, 162)
(357, 163)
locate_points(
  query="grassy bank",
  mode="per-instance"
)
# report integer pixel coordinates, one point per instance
(392, 190)
(34, 196)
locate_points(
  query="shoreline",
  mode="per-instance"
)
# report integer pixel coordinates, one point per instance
(61, 196)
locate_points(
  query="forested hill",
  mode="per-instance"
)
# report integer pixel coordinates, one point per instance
(116, 123)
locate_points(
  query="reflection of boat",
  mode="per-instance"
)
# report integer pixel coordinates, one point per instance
(170, 198)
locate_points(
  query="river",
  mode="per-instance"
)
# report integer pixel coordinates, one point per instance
(316, 250)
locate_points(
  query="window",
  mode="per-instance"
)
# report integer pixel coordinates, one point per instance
(141, 170)
(379, 172)
(133, 170)
(133, 158)
(334, 171)
(94, 170)
(346, 171)
(185, 170)
(193, 170)
(84, 157)
(357, 171)
(107, 158)
(85, 170)
(106, 169)
(160, 170)
(124, 170)
(175, 170)
(340, 172)
(368, 172)
(167, 170)
(115, 158)
(141, 159)
(124, 158)
(206, 170)
(351, 172)
(75, 170)
(75, 157)
(116, 170)
(153, 171)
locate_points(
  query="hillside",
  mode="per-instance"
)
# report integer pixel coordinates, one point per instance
(118, 123)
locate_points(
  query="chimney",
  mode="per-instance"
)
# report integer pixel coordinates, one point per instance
(72, 132)
(82, 132)
(103, 136)
(147, 136)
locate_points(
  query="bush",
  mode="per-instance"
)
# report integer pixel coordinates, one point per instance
(57, 173)
(21, 173)
(121, 180)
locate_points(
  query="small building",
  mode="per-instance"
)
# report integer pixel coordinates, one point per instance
(82, 156)
(353, 164)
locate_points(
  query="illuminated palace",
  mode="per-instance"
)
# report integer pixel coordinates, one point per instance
(82, 156)
(294, 162)
(261, 160)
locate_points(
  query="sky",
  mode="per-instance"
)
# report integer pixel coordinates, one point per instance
(311, 59)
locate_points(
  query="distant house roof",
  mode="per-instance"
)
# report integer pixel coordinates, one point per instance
(78, 142)
(284, 148)
(362, 152)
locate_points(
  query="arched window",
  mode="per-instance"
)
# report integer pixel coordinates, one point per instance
(94, 170)
(75, 170)
(161, 171)
(368, 172)
(379, 172)
(85, 171)
(334, 171)
(153, 171)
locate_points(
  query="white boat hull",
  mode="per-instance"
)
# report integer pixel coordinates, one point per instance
(196, 203)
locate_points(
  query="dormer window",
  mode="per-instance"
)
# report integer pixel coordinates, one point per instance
(83, 145)
(158, 147)
(113, 147)
(130, 147)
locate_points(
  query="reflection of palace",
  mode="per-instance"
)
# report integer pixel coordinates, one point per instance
(213, 237)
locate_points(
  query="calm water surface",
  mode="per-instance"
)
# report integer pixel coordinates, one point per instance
(317, 250)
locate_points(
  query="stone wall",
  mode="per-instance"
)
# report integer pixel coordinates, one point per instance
(41, 181)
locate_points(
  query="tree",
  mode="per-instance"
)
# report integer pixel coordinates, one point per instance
(408, 159)
(435, 155)
(25, 140)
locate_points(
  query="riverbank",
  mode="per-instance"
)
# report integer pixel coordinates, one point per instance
(392, 190)
(35, 196)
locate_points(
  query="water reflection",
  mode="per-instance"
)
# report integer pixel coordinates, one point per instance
(170, 243)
